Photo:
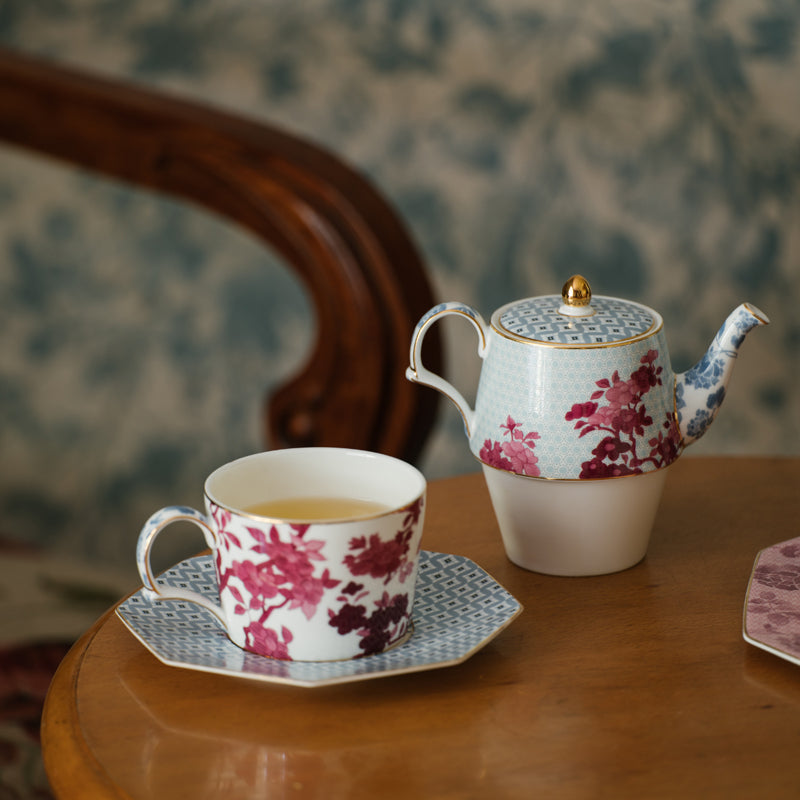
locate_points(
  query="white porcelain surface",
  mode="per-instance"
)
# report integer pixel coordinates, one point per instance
(306, 590)
(459, 609)
(575, 527)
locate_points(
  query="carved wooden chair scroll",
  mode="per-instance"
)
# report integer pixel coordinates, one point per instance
(365, 277)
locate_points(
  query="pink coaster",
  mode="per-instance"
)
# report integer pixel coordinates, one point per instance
(772, 605)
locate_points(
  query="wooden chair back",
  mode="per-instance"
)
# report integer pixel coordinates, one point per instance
(365, 277)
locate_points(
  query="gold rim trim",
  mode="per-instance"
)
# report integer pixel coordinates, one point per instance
(675, 413)
(759, 315)
(463, 418)
(545, 479)
(745, 609)
(299, 521)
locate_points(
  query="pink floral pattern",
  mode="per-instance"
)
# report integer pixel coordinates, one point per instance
(616, 409)
(286, 575)
(773, 602)
(378, 559)
(624, 418)
(516, 454)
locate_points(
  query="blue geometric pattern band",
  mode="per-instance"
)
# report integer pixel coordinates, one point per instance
(539, 320)
(458, 609)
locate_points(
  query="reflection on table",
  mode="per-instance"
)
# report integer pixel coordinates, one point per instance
(635, 684)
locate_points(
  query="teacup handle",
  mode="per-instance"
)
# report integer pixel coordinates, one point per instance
(147, 536)
(419, 374)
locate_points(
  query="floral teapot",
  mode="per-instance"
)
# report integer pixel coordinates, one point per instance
(579, 390)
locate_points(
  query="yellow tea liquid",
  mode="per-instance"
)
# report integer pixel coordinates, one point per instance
(317, 508)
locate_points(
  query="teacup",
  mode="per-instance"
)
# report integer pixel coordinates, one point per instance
(316, 551)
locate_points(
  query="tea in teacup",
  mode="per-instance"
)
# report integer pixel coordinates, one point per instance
(317, 508)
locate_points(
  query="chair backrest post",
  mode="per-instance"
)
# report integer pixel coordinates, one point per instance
(331, 225)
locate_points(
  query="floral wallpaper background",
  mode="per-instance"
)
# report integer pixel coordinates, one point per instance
(653, 147)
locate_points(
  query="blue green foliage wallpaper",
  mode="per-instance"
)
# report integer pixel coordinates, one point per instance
(652, 146)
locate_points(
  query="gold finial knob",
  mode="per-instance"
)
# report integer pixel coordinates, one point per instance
(577, 292)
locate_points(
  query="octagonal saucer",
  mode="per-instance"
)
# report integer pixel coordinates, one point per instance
(458, 609)
(772, 604)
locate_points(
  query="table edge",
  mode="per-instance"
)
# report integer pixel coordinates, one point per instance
(69, 762)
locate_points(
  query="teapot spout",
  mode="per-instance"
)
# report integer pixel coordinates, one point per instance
(699, 392)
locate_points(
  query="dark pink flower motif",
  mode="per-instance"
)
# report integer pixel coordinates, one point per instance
(665, 448)
(625, 418)
(580, 410)
(643, 380)
(621, 394)
(643, 420)
(603, 417)
(510, 426)
(516, 455)
(600, 469)
(266, 642)
(260, 582)
(307, 593)
(413, 513)
(237, 596)
(222, 518)
(522, 459)
(284, 579)
(384, 625)
(293, 558)
(626, 421)
(611, 448)
(492, 454)
(378, 558)
(348, 618)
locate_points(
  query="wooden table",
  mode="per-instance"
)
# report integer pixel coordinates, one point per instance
(637, 684)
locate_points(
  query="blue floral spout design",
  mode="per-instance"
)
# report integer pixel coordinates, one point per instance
(700, 391)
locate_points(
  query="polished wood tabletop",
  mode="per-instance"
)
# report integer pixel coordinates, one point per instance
(637, 684)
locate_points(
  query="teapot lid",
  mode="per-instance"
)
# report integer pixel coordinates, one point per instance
(576, 319)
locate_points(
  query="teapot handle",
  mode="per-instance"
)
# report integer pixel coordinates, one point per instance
(417, 372)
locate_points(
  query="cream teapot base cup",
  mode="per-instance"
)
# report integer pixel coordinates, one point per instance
(575, 527)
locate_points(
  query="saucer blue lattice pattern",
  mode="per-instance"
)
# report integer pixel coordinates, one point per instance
(614, 320)
(458, 609)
